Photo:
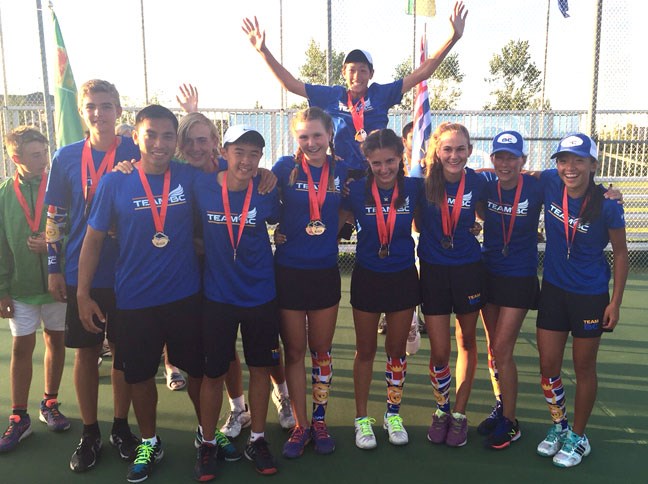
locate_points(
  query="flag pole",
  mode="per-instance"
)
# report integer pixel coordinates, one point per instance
(49, 113)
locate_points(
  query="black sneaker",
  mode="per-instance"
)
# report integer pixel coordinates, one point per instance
(259, 453)
(86, 454)
(205, 468)
(487, 426)
(146, 456)
(505, 433)
(126, 443)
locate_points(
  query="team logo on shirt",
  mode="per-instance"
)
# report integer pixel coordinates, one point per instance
(176, 197)
(345, 109)
(219, 218)
(557, 212)
(302, 185)
(465, 202)
(371, 210)
(507, 209)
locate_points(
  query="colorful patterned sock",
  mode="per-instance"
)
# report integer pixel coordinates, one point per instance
(395, 373)
(494, 375)
(321, 378)
(441, 378)
(554, 394)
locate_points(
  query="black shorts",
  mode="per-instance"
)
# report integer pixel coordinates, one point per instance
(452, 289)
(75, 334)
(561, 310)
(259, 332)
(142, 333)
(513, 292)
(384, 292)
(307, 289)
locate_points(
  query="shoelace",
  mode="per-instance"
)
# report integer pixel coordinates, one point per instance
(54, 410)
(205, 454)
(10, 429)
(144, 453)
(365, 425)
(321, 431)
(261, 448)
(297, 435)
(571, 442)
(553, 435)
(233, 418)
(456, 425)
(222, 440)
(396, 422)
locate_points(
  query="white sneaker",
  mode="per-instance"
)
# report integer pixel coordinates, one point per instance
(236, 421)
(284, 410)
(414, 338)
(364, 435)
(573, 450)
(393, 424)
(382, 324)
(552, 442)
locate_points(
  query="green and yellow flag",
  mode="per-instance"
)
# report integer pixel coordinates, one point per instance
(67, 121)
(424, 8)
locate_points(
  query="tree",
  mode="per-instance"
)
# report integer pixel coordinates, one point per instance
(313, 71)
(443, 85)
(515, 79)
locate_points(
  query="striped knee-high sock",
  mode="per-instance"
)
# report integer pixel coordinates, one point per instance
(441, 378)
(494, 375)
(554, 394)
(395, 372)
(321, 379)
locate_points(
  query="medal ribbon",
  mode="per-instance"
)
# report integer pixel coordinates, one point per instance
(228, 212)
(34, 222)
(450, 224)
(88, 168)
(506, 236)
(385, 230)
(569, 238)
(158, 218)
(316, 197)
(357, 115)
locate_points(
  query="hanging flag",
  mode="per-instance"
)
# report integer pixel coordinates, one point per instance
(422, 128)
(424, 8)
(563, 7)
(67, 121)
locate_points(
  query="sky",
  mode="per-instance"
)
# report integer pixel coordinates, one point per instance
(200, 41)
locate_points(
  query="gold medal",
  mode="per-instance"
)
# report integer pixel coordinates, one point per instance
(315, 227)
(160, 240)
(360, 135)
(383, 251)
(446, 242)
(505, 251)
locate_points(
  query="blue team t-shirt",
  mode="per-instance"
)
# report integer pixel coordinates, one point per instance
(522, 258)
(465, 248)
(66, 190)
(249, 280)
(303, 251)
(401, 249)
(148, 276)
(586, 271)
(334, 100)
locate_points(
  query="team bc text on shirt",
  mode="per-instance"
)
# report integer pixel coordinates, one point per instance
(153, 240)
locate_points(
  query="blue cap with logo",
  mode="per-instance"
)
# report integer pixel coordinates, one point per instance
(510, 141)
(579, 144)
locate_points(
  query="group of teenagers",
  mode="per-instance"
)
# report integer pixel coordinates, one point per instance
(163, 252)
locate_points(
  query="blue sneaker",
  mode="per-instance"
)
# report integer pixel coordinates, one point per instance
(504, 434)
(488, 425)
(19, 429)
(295, 445)
(324, 443)
(50, 414)
(226, 449)
(146, 456)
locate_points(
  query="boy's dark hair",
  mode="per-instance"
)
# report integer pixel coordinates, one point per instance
(20, 136)
(407, 129)
(155, 111)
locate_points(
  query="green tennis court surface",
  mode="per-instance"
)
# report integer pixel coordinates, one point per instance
(618, 428)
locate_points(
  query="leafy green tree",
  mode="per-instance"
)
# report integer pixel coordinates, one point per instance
(515, 79)
(443, 85)
(313, 71)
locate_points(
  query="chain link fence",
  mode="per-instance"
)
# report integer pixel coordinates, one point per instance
(519, 65)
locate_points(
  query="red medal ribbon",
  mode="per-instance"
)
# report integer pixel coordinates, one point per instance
(450, 224)
(357, 115)
(34, 222)
(88, 168)
(569, 238)
(228, 212)
(316, 197)
(385, 230)
(506, 235)
(158, 218)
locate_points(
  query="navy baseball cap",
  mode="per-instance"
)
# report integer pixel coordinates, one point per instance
(579, 144)
(509, 141)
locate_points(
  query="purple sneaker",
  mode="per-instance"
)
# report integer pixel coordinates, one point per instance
(19, 428)
(299, 439)
(457, 431)
(324, 443)
(439, 429)
(50, 414)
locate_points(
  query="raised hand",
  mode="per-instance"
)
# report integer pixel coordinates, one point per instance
(458, 19)
(256, 36)
(188, 98)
